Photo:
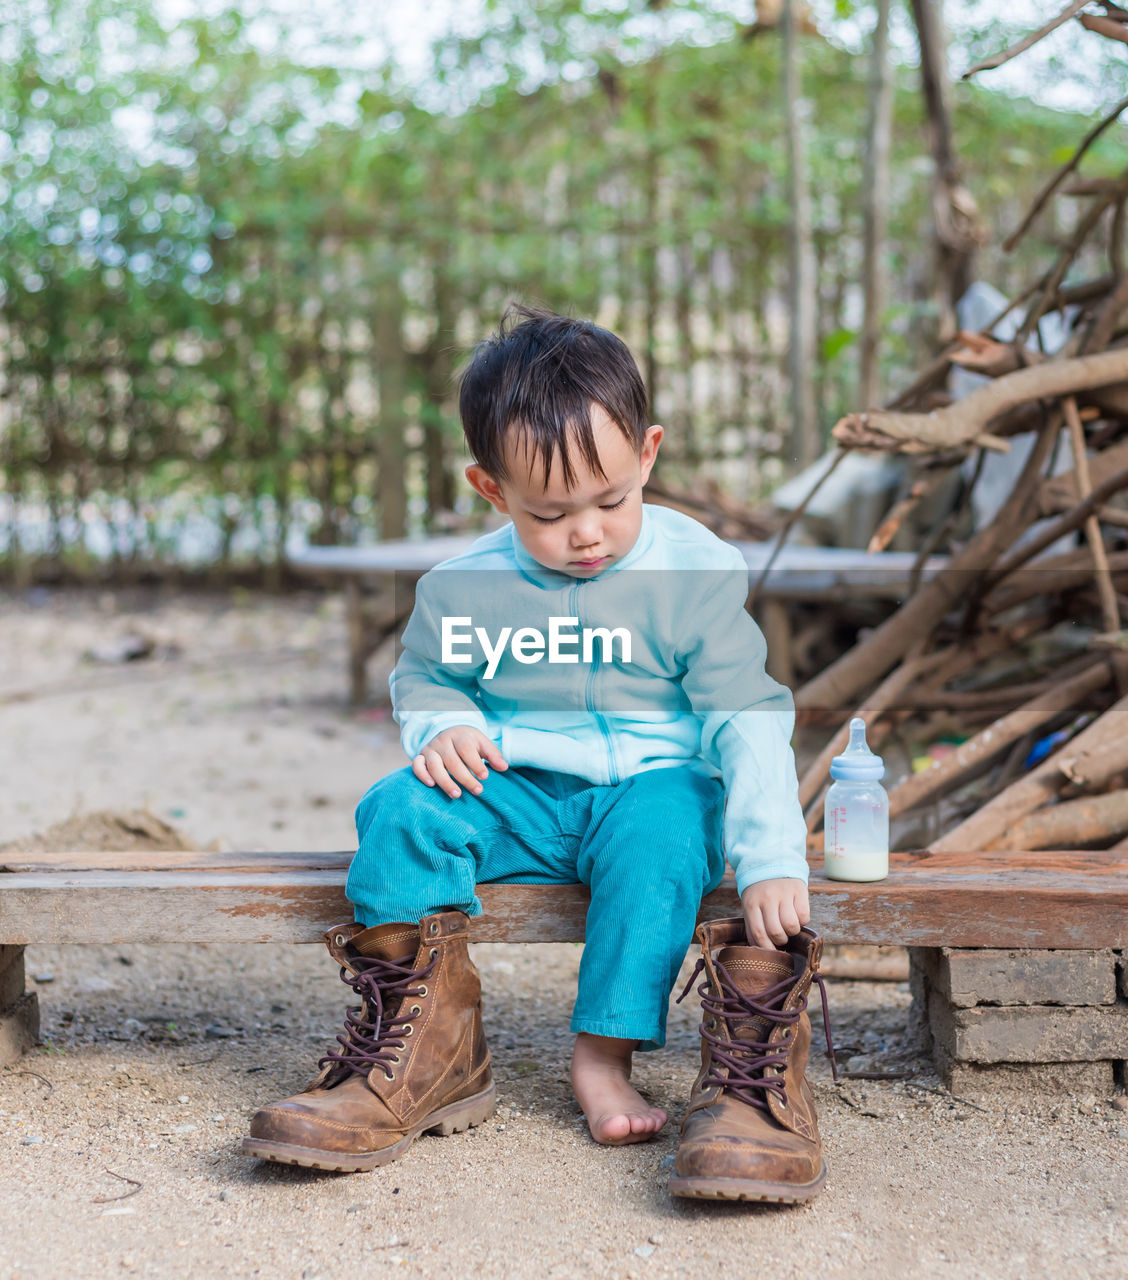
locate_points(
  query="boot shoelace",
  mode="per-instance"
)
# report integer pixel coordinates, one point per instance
(739, 1065)
(381, 984)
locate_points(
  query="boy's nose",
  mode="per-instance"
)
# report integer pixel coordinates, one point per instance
(586, 533)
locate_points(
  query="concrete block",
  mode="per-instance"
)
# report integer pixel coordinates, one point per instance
(1030, 1033)
(981, 976)
(19, 1028)
(1076, 1079)
(12, 978)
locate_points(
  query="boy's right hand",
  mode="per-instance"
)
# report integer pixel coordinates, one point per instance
(457, 755)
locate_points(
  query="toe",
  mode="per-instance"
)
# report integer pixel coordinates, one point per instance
(611, 1129)
(647, 1122)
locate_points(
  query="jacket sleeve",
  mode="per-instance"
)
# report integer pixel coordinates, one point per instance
(428, 695)
(747, 722)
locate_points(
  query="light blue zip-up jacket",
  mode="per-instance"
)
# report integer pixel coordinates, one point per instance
(694, 692)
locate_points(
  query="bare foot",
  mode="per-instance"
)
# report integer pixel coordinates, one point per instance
(616, 1113)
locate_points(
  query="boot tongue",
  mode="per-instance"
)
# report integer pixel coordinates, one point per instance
(397, 941)
(752, 971)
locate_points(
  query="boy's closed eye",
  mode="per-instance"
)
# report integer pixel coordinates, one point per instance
(614, 506)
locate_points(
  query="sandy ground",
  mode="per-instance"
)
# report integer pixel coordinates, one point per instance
(235, 731)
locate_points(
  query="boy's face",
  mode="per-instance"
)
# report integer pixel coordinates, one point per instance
(582, 530)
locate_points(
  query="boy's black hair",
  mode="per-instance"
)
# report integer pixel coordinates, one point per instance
(538, 377)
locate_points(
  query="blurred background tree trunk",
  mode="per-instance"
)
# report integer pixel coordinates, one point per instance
(800, 255)
(875, 193)
(391, 365)
(955, 215)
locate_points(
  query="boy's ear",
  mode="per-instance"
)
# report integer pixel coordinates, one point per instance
(649, 452)
(483, 483)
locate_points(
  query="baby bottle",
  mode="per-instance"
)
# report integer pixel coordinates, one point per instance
(857, 813)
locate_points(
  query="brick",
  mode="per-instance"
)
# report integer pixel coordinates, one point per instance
(969, 977)
(1122, 974)
(972, 1079)
(12, 979)
(1030, 1033)
(19, 1028)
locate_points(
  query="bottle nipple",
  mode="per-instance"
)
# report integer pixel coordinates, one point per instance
(858, 737)
(857, 763)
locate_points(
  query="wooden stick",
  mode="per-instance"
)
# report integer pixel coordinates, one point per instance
(920, 490)
(883, 697)
(788, 525)
(1110, 515)
(988, 743)
(1092, 770)
(1101, 334)
(997, 59)
(1059, 528)
(840, 683)
(1049, 298)
(1110, 615)
(1104, 27)
(1057, 494)
(1069, 825)
(938, 367)
(1063, 173)
(1029, 793)
(960, 423)
(1050, 578)
(972, 702)
(992, 358)
(987, 644)
(1089, 187)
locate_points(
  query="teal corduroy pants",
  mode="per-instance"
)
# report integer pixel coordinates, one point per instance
(649, 848)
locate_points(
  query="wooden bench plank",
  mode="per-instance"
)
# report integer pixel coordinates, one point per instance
(175, 860)
(1044, 899)
(920, 861)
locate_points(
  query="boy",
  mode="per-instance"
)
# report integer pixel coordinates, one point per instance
(577, 693)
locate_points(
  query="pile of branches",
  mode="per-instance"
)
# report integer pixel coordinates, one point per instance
(1015, 646)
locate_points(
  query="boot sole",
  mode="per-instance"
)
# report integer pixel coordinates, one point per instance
(747, 1189)
(454, 1118)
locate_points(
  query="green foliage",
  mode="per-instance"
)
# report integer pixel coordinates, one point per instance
(239, 281)
(835, 343)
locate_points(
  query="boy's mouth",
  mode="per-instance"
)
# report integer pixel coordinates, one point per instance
(590, 564)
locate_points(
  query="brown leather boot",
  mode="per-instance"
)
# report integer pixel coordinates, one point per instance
(413, 1056)
(750, 1132)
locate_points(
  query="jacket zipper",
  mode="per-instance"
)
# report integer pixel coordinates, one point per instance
(589, 692)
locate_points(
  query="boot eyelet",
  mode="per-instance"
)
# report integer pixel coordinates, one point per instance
(339, 940)
(415, 1009)
(409, 1030)
(433, 928)
(434, 952)
(423, 990)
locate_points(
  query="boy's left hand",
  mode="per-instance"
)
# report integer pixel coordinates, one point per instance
(775, 910)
